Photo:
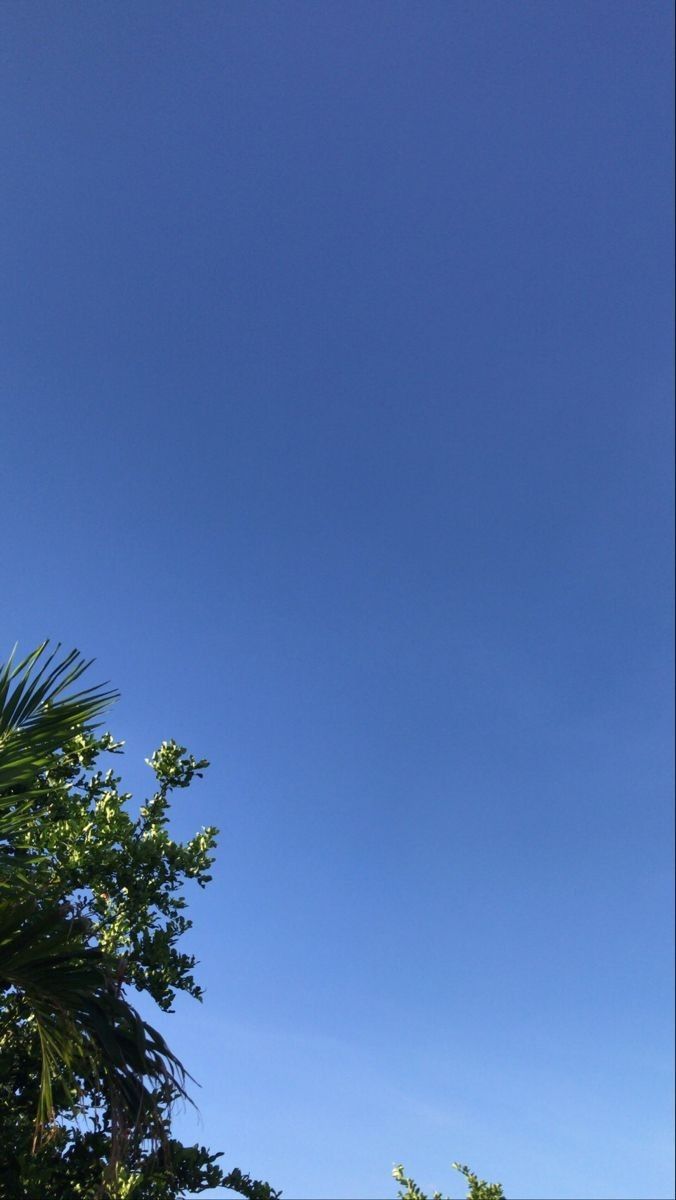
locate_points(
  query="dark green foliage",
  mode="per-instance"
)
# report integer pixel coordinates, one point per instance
(82, 1021)
(253, 1189)
(91, 905)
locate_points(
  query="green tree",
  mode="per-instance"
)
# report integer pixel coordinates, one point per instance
(92, 905)
(478, 1188)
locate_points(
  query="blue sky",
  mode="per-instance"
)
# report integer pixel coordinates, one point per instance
(336, 380)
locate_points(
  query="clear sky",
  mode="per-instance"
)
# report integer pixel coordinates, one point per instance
(336, 379)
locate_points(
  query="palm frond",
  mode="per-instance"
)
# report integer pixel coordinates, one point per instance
(39, 715)
(82, 1022)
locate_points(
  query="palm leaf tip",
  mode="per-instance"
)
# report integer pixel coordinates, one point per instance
(41, 711)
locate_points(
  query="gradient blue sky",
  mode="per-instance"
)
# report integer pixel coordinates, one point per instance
(336, 380)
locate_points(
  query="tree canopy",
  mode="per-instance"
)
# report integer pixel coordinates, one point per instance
(92, 908)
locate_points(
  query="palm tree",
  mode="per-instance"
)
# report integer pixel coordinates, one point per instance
(84, 1024)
